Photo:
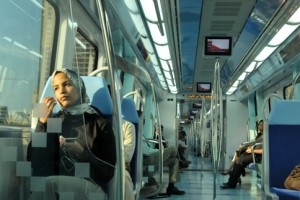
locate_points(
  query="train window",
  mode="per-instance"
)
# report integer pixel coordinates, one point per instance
(287, 92)
(27, 31)
(85, 57)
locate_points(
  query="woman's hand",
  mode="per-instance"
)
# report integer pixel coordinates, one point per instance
(73, 147)
(249, 150)
(50, 102)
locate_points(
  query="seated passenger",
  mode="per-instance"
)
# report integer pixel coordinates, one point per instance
(182, 148)
(243, 147)
(61, 160)
(129, 147)
(156, 137)
(243, 160)
(151, 157)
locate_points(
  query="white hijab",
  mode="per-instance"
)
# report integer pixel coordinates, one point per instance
(83, 105)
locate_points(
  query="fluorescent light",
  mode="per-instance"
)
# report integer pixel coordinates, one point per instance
(149, 10)
(165, 65)
(173, 77)
(163, 85)
(231, 90)
(162, 81)
(258, 64)
(170, 65)
(137, 20)
(131, 5)
(295, 18)
(157, 69)
(157, 37)
(161, 77)
(242, 76)
(173, 89)
(169, 82)
(163, 52)
(154, 60)
(265, 53)
(285, 31)
(167, 75)
(251, 67)
(236, 83)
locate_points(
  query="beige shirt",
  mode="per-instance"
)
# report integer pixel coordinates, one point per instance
(129, 140)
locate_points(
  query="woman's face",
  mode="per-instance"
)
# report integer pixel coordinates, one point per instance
(261, 127)
(64, 90)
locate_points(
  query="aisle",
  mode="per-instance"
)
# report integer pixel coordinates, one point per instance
(199, 185)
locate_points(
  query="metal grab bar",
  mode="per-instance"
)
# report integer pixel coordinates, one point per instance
(295, 81)
(117, 120)
(216, 116)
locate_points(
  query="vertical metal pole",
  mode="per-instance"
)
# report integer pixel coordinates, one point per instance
(216, 122)
(120, 166)
(160, 140)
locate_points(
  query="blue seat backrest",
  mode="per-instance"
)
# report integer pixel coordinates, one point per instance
(97, 91)
(283, 137)
(129, 113)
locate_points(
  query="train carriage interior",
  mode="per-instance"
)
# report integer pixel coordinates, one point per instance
(211, 88)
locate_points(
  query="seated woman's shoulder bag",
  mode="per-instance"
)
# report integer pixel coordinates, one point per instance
(292, 182)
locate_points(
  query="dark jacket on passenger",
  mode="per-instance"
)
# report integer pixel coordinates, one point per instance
(52, 160)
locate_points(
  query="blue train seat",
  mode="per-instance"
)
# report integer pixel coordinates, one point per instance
(282, 148)
(129, 113)
(97, 91)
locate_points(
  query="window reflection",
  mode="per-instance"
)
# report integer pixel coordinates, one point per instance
(26, 40)
(84, 61)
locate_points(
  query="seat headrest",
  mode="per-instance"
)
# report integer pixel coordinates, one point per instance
(281, 112)
(129, 111)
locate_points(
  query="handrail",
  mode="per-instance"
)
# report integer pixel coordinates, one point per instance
(293, 87)
(93, 73)
(252, 151)
(117, 120)
(266, 101)
(160, 141)
(216, 122)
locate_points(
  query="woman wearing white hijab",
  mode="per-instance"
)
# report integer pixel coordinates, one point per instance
(92, 150)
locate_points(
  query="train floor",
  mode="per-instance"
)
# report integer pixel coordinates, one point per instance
(198, 184)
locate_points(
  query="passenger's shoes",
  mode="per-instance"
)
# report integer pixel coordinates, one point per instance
(188, 161)
(152, 181)
(227, 186)
(174, 191)
(239, 181)
(244, 172)
(225, 172)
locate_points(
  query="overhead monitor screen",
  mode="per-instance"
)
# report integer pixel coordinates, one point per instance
(218, 46)
(204, 87)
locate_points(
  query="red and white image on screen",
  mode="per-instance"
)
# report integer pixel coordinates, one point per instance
(203, 87)
(218, 45)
